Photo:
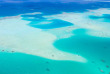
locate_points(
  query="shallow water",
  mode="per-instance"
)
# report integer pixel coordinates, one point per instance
(55, 38)
(18, 63)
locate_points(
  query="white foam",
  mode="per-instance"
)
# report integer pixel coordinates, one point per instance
(16, 35)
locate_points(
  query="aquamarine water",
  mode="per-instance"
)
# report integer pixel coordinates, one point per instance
(42, 42)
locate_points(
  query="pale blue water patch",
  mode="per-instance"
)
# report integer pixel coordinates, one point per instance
(50, 24)
(38, 21)
(19, 63)
(91, 47)
(104, 17)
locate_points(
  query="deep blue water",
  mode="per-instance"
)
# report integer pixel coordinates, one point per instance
(8, 9)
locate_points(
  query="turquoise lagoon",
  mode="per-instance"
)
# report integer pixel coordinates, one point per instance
(55, 38)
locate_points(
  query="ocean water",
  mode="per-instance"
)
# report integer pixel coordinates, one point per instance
(55, 38)
(19, 63)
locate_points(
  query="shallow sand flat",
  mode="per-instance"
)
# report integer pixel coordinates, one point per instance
(17, 36)
(32, 13)
(82, 20)
(64, 32)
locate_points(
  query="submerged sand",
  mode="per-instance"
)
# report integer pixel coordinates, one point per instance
(17, 36)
